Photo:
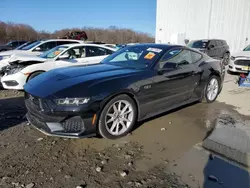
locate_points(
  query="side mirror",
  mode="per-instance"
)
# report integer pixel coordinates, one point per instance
(63, 56)
(38, 49)
(186, 41)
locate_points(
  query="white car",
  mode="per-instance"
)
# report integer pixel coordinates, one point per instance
(35, 48)
(25, 67)
(240, 62)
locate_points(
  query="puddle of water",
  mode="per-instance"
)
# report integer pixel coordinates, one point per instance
(169, 136)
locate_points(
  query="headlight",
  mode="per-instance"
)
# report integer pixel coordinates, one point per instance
(72, 101)
(4, 57)
(232, 58)
(16, 70)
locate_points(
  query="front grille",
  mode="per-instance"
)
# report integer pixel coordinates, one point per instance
(73, 126)
(242, 62)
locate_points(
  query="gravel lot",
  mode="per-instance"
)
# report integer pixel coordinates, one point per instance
(142, 159)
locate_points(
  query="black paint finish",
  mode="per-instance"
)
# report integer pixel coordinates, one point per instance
(153, 90)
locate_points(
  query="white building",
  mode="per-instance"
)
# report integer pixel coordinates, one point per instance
(177, 20)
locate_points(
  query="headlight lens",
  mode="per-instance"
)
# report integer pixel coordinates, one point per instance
(4, 57)
(232, 58)
(72, 101)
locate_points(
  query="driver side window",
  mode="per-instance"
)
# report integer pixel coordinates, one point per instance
(75, 53)
(176, 57)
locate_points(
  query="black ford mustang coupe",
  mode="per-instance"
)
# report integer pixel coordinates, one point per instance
(132, 84)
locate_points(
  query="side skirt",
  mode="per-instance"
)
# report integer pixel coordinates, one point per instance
(169, 108)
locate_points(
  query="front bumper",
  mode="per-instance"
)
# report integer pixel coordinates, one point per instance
(237, 68)
(14, 81)
(72, 125)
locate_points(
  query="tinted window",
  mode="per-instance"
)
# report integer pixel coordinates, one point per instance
(31, 45)
(198, 44)
(176, 56)
(46, 46)
(195, 56)
(24, 45)
(169, 54)
(96, 51)
(13, 44)
(65, 42)
(247, 48)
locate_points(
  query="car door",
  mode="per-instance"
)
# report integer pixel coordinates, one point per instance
(175, 80)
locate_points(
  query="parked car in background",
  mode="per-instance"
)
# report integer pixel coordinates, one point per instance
(35, 48)
(11, 45)
(94, 42)
(77, 35)
(111, 46)
(130, 85)
(24, 45)
(24, 68)
(240, 61)
(215, 48)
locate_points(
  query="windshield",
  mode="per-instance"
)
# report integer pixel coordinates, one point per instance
(247, 48)
(31, 45)
(53, 52)
(198, 44)
(24, 45)
(9, 43)
(138, 57)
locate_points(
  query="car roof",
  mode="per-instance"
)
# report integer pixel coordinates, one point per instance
(155, 45)
(207, 40)
(86, 44)
(48, 40)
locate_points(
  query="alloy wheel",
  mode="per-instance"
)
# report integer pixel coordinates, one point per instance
(212, 89)
(119, 117)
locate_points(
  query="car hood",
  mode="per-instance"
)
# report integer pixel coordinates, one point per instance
(3, 46)
(59, 79)
(242, 54)
(20, 58)
(16, 52)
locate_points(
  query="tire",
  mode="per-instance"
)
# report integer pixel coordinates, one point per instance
(207, 98)
(107, 125)
(226, 58)
(33, 75)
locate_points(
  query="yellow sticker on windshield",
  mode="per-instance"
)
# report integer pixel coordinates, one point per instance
(57, 52)
(150, 55)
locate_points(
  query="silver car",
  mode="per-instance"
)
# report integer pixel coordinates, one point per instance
(240, 61)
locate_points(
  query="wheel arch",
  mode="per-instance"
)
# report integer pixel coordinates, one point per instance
(41, 71)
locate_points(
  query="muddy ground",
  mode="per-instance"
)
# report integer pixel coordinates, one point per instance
(142, 159)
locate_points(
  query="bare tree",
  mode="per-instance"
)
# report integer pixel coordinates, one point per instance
(11, 31)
